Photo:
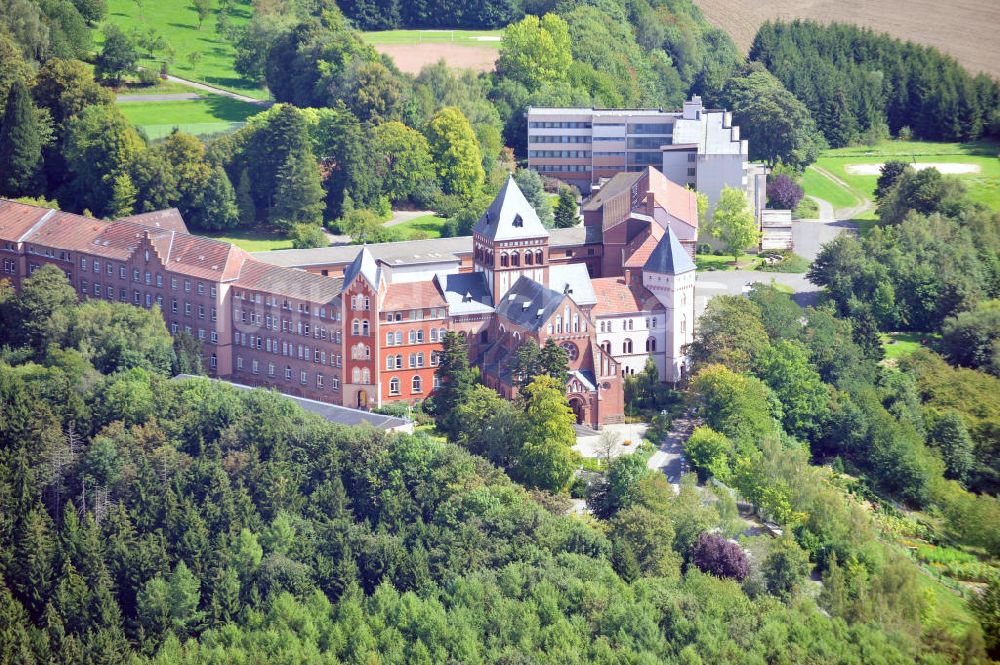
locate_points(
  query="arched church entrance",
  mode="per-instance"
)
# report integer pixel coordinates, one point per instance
(579, 410)
(362, 399)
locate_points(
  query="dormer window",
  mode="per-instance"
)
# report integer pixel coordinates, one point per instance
(518, 221)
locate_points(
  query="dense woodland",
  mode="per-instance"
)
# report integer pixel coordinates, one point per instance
(860, 85)
(150, 520)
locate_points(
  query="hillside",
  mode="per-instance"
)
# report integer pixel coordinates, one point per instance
(966, 30)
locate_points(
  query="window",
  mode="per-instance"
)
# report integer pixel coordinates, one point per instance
(110, 269)
(83, 263)
(97, 266)
(394, 386)
(148, 277)
(504, 259)
(187, 286)
(187, 309)
(201, 311)
(121, 272)
(389, 362)
(214, 336)
(159, 280)
(355, 327)
(288, 373)
(417, 384)
(214, 361)
(368, 303)
(303, 377)
(255, 366)
(135, 275)
(399, 337)
(239, 363)
(388, 338)
(420, 359)
(692, 173)
(399, 361)
(270, 369)
(627, 346)
(515, 258)
(364, 327)
(366, 376)
(319, 380)
(650, 345)
(201, 288)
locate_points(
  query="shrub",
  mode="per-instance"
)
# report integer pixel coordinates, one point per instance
(783, 192)
(717, 556)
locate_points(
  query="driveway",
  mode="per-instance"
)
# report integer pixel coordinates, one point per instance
(588, 441)
(670, 457)
(734, 282)
(167, 97)
(220, 91)
(404, 216)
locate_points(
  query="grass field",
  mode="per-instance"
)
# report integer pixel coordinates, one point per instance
(412, 50)
(425, 226)
(177, 23)
(966, 30)
(897, 345)
(713, 262)
(984, 186)
(252, 240)
(161, 88)
(210, 115)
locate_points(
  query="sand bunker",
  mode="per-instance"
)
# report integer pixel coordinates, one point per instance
(411, 58)
(950, 168)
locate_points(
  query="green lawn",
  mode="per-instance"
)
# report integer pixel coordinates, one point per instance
(425, 226)
(177, 23)
(210, 115)
(252, 240)
(161, 88)
(816, 184)
(713, 262)
(984, 187)
(462, 37)
(897, 345)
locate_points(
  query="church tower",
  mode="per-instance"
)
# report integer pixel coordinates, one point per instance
(509, 241)
(669, 274)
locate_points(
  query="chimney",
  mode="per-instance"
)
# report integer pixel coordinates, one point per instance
(650, 203)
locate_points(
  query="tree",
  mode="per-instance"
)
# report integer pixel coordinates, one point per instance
(402, 160)
(204, 9)
(778, 127)
(720, 557)
(972, 338)
(123, 193)
(93, 11)
(647, 536)
(785, 566)
(554, 361)
(737, 405)
(363, 227)
(709, 452)
(785, 368)
(66, 88)
(730, 333)
(21, 140)
(546, 459)
(531, 186)
(45, 294)
(456, 153)
(779, 314)
(924, 192)
(244, 200)
(950, 436)
(783, 192)
(171, 603)
(625, 473)
(986, 605)
(299, 194)
(305, 236)
(490, 425)
(100, 144)
(217, 209)
(536, 51)
(889, 173)
(117, 57)
(733, 222)
(154, 179)
(456, 380)
(12, 67)
(566, 209)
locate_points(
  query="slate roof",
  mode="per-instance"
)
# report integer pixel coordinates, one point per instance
(340, 415)
(465, 293)
(364, 264)
(572, 279)
(529, 304)
(614, 296)
(669, 257)
(510, 216)
(576, 235)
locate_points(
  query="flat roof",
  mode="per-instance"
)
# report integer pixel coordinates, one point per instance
(340, 415)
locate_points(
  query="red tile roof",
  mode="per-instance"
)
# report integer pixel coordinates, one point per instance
(408, 295)
(615, 297)
(205, 258)
(638, 256)
(16, 219)
(65, 230)
(679, 201)
(289, 282)
(169, 219)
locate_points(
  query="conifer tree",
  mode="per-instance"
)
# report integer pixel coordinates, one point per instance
(244, 200)
(456, 378)
(218, 208)
(565, 213)
(299, 194)
(123, 193)
(20, 144)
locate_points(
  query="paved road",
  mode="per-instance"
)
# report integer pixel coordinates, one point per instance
(404, 216)
(734, 282)
(809, 235)
(220, 91)
(670, 457)
(170, 97)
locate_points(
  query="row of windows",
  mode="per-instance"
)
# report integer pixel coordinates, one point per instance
(270, 322)
(360, 327)
(605, 139)
(546, 124)
(146, 277)
(651, 128)
(609, 153)
(646, 158)
(361, 375)
(647, 142)
(303, 374)
(287, 349)
(416, 315)
(272, 301)
(416, 385)
(414, 336)
(563, 168)
(558, 153)
(627, 324)
(627, 346)
(211, 335)
(361, 303)
(558, 139)
(416, 360)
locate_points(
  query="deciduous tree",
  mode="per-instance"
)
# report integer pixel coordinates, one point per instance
(733, 222)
